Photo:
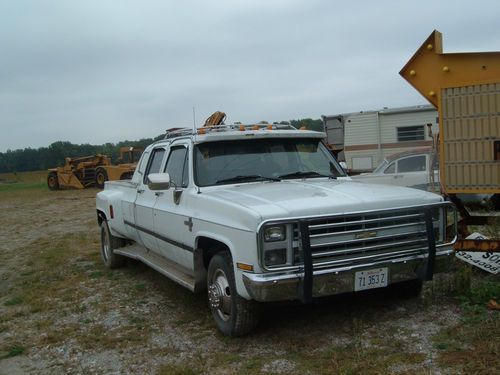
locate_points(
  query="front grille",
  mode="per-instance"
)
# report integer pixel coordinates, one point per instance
(365, 237)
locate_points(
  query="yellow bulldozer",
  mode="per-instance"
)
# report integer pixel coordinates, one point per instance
(94, 170)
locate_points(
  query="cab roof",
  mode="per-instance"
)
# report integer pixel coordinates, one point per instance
(239, 132)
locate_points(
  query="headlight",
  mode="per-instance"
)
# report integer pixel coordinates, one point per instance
(275, 233)
(275, 257)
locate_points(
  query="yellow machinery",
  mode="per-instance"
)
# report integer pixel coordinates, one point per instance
(129, 156)
(465, 88)
(89, 171)
(216, 118)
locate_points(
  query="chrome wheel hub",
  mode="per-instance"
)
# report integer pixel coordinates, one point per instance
(219, 295)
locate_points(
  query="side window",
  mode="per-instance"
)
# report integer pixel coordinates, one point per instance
(390, 169)
(154, 163)
(177, 166)
(139, 171)
(413, 164)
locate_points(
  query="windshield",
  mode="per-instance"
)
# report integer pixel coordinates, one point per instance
(233, 161)
(381, 166)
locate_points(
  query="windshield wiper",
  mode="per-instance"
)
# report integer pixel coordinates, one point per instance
(243, 178)
(299, 174)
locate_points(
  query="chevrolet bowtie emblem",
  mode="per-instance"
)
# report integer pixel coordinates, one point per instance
(365, 235)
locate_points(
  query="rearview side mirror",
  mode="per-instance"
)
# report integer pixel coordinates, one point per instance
(159, 181)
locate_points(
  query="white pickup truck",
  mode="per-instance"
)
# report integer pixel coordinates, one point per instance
(265, 213)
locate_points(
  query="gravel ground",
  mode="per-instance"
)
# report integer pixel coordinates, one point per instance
(84, 319)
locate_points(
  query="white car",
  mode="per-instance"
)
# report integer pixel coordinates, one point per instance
(413, 169)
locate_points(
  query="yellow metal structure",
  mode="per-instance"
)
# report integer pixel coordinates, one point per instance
(216, 118)
(89, 171)
(77, 173)
(430, 70)
(465, 88)
(129, 156)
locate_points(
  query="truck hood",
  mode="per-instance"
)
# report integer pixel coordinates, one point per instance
(293, 198)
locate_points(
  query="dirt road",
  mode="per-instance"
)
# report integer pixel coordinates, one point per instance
(62, 312)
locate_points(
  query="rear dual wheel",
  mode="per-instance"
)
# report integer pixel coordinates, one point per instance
(108, 244)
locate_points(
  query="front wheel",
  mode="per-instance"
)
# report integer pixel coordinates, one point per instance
(234, 315)
(108, 244)
(53, 181)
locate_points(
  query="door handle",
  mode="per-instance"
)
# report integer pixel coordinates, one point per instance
(159, 193)
(140, 191)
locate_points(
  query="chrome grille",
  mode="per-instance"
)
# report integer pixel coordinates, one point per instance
(370, 236)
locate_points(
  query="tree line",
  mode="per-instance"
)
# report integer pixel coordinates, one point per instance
(29, 159)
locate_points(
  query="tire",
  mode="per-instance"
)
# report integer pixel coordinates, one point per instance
(108, 244)
(100, 178)
(53, 181)
(407, 289)
(234, 315)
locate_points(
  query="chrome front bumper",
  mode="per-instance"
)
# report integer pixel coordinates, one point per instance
(267, 287)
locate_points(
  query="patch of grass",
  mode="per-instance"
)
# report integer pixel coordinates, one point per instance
(171, 369)
(461, 281)
(25, 177)
(96, 274)
(14, 301)
(15, 350)
(472, 346)
(12, 351)
(21, 186)
(140, 287)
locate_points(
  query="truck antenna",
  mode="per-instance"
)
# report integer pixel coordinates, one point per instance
(194, 119)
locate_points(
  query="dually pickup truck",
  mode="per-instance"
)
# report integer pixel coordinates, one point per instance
(265, 213)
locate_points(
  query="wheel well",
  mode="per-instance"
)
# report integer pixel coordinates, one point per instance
(210, 247)
(100, 217)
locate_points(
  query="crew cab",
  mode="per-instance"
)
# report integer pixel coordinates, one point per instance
(265, 213)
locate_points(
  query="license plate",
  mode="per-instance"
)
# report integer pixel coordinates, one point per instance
(370, 279)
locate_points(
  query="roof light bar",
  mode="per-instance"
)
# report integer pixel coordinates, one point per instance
(179, 132)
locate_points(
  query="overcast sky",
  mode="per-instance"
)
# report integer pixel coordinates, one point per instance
(97, 71)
